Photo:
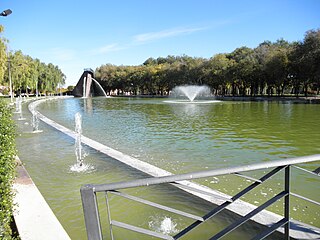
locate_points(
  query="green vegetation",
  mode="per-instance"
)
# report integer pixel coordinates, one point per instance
(7, 169)
(26, 72)
(271, 68)
(27, 75)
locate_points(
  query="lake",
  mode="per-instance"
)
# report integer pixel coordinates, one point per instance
(179, 138)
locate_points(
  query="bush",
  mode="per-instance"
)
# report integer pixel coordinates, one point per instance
(7, 169)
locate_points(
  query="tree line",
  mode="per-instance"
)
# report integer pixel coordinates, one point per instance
(27, 74)
(272, 68)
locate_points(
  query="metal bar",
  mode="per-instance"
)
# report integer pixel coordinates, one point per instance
(304, 198)
(227, 203)
(178, 184)
(314, 172)
(202, 174)
(247, 177)
(287, 202)
(255, 184)
(194, 175)
(109, 216)
(141, 230)
(248, 216)
(91, 213)
(271, 229)
(187, 229)
(156, 205)
(206, 217)
(317, 171)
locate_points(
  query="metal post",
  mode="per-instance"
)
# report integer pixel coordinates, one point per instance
(91, 214)
(109, 216)
(287, 203)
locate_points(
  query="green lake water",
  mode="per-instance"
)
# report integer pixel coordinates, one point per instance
(179, 138)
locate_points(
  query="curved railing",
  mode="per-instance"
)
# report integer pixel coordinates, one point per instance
(92, 219)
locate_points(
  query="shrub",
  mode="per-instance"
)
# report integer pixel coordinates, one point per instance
(7, 169)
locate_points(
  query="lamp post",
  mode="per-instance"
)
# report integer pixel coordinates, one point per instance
(6, 13)
(10, 82)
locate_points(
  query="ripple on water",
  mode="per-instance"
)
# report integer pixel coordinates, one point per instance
(83, 168)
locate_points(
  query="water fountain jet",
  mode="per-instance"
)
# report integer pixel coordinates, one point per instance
(78, 145)
(191, 92)
(34, 120)
(80, 166)
(19, 108)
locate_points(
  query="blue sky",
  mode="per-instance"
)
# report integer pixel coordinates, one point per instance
(79, 34)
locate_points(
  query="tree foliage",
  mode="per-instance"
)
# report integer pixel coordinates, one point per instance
(3, 55)
(271, 68)
(27, 72)
(7, 169)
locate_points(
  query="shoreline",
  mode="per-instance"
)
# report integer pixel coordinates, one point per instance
(313, 99)
(292, 99)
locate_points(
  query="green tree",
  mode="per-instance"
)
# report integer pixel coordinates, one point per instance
(242, 70)
(306, 61)
(215, 73)
(277, 66)
(3, 55)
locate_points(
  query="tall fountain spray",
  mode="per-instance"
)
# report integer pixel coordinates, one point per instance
(87, 86)
(34, 120)
(19, 108)
(79, 166)
(78, 146)
(18, 104)
(191, 91)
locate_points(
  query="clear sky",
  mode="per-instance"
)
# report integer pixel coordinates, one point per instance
(77, 34)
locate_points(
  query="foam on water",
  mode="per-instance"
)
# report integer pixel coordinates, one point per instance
(81, 168)
(37, 131)
(193, 102)
(164, 225)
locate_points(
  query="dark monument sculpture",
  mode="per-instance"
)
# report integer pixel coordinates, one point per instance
(87, 86)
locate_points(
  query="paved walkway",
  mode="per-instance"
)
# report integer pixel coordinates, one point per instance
(33, 216)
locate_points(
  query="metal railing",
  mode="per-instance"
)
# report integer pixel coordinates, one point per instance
(92, 217)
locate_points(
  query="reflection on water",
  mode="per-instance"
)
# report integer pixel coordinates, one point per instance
(177, 137)
(88, 107)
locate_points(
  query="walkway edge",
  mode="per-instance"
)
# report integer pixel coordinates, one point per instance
(33, 216)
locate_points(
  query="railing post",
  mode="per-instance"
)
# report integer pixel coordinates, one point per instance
(287, 202)
(91, 213)
(109, 216)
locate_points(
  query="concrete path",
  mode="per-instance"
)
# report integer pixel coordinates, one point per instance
(33, 216)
